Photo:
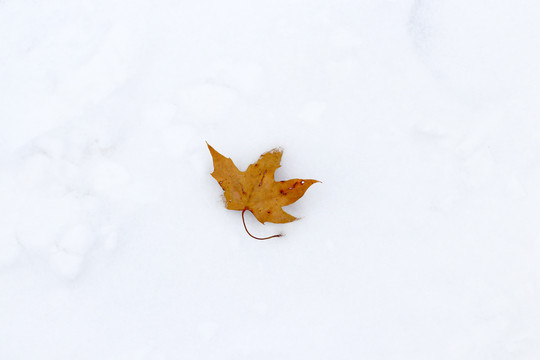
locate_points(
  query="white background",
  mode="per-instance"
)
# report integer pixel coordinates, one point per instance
(421, 117)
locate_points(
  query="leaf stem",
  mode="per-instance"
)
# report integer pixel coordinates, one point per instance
(258, 238)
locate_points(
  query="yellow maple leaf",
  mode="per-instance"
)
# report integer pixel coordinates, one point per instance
(256, 190)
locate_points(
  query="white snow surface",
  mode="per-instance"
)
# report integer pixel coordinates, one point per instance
(420, 117)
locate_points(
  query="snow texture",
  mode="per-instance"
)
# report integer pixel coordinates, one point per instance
(421, 117)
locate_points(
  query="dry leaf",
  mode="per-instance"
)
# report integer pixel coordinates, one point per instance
(255, 189)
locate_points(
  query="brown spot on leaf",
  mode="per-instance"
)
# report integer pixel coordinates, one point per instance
(260, 184)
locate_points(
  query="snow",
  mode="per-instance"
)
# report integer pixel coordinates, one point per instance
(419, 117)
